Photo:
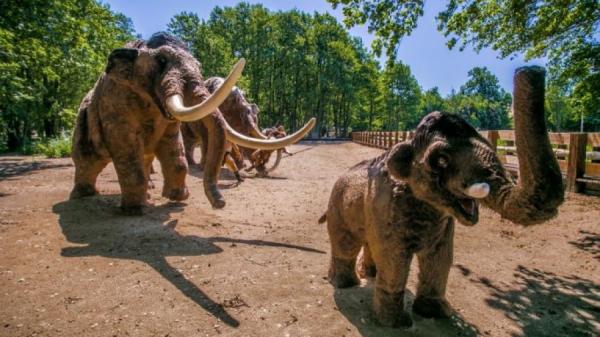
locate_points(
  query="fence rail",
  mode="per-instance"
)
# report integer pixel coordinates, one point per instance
(578, 154)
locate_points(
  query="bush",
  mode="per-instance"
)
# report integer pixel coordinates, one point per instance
(55, 148)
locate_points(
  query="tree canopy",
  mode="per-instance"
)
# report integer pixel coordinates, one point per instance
(51, 52)
(564, 31)
(299, 65)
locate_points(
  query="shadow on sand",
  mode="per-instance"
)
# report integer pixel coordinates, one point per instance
(12, 167)
(96, 223)
(356, 304)
(589, 242)
(545, 304)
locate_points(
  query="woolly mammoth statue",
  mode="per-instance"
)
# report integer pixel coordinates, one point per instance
(132, 115)
(243, 117)
(405, 202)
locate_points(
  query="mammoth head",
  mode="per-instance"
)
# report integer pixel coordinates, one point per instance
(447, 164)
(163, 70)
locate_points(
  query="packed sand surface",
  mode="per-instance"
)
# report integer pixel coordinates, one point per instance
(258, 267)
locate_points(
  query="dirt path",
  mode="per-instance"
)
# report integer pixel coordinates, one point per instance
(258, 267)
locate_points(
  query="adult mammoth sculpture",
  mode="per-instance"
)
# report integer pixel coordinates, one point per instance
(243, 117)
(405, 202)
(132, 115)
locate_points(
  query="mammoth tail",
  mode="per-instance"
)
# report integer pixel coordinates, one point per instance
(323, 218)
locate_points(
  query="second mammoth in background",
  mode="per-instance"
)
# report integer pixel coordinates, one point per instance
(243, 117)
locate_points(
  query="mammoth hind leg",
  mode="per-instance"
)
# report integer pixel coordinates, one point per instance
(345, 247)
(86, 173)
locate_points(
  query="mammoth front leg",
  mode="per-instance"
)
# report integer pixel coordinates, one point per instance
(132, 179)
(214, 158)
(393, 265)
(434, 267)
(173, 163)
(126, 147)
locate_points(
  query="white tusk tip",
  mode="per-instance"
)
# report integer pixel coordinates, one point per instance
(478, 191)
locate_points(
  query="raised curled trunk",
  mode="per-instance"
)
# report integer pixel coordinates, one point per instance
(540, 190)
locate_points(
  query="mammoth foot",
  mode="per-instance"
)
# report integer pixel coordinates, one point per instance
(82, 190)
(342, 274)
(389, 309)
(432, 307)
(176, 194)
(218, 203)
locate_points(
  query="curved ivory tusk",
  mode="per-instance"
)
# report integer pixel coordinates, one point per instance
(256, 132)
(478, 191)
(176, 108)
(277, 160)
(268, 144)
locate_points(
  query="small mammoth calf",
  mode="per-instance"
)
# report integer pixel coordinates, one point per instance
(405, 202)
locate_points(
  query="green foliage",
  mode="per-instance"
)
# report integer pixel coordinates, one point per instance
(402, 97)
(54, 148)
(301, 65)
(389, 20)
(51, 52)
(482, 101)
(563, 31)
(298, 65)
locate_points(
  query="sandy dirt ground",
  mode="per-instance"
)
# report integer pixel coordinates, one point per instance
(258, 267)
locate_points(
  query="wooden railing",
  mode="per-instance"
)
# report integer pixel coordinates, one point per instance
(578, 154)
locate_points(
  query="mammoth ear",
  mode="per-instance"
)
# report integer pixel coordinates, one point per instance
(121, 61)
(400, 160)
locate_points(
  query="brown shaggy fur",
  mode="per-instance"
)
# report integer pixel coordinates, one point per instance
(405, 202)
(123, 119)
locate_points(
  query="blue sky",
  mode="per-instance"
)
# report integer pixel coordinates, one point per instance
(424, 51)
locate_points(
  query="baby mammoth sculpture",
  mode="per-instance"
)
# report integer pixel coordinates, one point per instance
(132, 115)
(405, 202)
(243, 117)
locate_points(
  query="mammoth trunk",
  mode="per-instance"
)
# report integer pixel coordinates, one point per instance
(540, 189)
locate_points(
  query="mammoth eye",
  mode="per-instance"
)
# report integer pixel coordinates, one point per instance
(442, 161)
(162, 61)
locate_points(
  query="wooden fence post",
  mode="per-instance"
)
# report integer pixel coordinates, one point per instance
(492, 137)
(576, 161)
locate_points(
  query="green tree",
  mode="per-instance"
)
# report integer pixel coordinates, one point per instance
(431, 100)
(482, 101)
(298, 65)
(564, 31)
(402, 97)
(51, 52)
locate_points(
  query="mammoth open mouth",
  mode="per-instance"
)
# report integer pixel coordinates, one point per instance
(469, 209)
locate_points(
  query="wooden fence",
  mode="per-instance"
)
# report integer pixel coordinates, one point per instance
(578, 154)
